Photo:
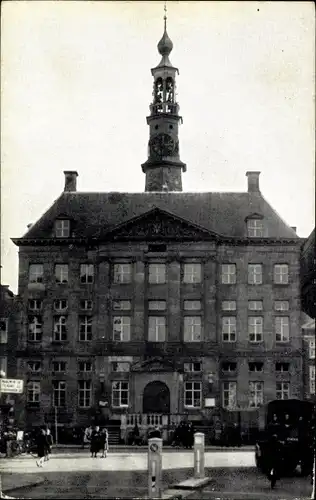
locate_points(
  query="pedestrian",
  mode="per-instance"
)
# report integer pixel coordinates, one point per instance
(95, 442)
(274, 459)
(190, 433)
(136, 437)
(42, 446)
(49, 438)
(86, 436)
(104, 442)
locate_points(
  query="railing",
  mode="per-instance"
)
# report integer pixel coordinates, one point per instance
(150, 420)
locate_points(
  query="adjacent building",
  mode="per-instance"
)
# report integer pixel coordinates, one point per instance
(150, 306)
(308, 304)
(9, 318)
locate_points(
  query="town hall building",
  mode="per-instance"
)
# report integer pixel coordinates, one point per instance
(153, 306)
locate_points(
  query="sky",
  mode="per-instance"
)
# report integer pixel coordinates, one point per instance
(76, 89)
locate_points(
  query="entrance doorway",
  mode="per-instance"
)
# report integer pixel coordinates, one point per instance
(156, 398)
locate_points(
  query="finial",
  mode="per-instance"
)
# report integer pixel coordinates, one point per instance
(165, 45)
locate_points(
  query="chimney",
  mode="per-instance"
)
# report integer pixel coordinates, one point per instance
(294, 228)
(70, 180)
(253, 182)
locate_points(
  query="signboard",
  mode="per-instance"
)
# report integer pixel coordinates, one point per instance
(209, 402)
(11, 386)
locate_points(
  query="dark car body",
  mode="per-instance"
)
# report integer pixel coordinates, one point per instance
(292, 448)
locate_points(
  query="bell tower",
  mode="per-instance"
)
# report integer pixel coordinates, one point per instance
(163, 167)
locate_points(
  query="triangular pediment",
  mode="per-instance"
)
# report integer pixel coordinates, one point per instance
(155, 364)
(158, 224)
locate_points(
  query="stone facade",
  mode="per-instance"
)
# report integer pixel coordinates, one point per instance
(211, 351)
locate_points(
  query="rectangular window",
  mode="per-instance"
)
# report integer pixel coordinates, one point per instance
(121, 305)
(282, 329)
(255, 394)
(85, 328)
(122, 273)
(157, 273)
(35, 329)
(192, 273)
(311, 345)
(192, 367)
(60, 328)
(33, 392)
(36, 273)
(254, 274)
(192, 329)
(3, 330)
(229, 395)
(255, 329)
(59, 366)
(35, 305)
(86, 273)
(192, 394)
(228, 366)
(229, 305)
(157, 305)
(84, 393)
(34, 366)
(229, 329)
(120, 394)
(85, 366)
(121, 328)
(255, 228)
(4, 365)
(61, 273)
(282, 367)
(60, 304)
(120, 366)
(281, 274)
(228, 274)
(86, 305)
(282, 390)
(156, 329)
(255, 366)
(255, 305)
(312, 379)
(62, 228)
(281, 305)
(59, 393)
(192, 305)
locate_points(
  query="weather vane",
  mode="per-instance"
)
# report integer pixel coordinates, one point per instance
(165, 16)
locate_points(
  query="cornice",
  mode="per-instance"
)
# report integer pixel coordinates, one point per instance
(93, 243)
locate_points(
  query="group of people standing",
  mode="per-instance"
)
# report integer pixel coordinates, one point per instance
(184, 435)
(98, 440)
(44, 442)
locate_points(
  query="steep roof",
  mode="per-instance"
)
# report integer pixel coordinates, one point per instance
(222, 213)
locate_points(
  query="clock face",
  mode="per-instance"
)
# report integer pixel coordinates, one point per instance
(162, 145)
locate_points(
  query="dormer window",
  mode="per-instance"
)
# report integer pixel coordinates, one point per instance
(255, 226)
(62, 228)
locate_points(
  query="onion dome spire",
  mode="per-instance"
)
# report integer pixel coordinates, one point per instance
(165, 45)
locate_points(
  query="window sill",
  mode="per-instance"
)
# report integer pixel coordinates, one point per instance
(192, 407)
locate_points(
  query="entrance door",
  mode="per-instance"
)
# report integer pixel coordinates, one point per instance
(156, 398)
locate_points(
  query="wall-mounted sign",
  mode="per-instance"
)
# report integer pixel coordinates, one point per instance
(11, 386)
(209, 402)
(153, 447)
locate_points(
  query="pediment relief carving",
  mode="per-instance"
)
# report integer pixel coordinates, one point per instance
(153, 365)
(158, 224)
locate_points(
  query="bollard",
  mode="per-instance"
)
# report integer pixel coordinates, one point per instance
(199, 439)
(154, 467)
